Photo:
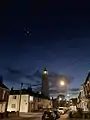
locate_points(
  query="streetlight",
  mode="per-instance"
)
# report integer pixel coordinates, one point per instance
(20, 98)
(62, 83)
(68, 95)
(60, 99)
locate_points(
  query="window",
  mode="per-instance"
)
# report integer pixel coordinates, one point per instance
(31, 98)
(13, 106)
(14, 97)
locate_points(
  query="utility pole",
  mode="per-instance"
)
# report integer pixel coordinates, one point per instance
(20, 98)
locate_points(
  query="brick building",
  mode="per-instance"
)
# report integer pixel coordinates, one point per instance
(4, 94)
(84, 95)
(87, 86)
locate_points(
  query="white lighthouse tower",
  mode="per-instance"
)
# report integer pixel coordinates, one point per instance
(45, 83)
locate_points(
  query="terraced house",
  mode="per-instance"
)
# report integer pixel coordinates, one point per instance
(4, 94)
(27, 101)
(84, 95)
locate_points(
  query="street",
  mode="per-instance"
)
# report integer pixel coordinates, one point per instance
(33, 116)
(38, 116)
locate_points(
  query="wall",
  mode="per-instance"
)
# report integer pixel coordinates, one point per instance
(4, 94)
(45, 103)
(2, 107)
(35, 102)
(24, 103)
(13, 103)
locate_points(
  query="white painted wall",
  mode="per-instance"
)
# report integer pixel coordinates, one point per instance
(23, 106)
(2, 107)
(11, 101)
(24, 103)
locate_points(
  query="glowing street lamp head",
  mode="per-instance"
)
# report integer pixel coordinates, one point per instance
(62, 83)
(60, 99)
(68, 95)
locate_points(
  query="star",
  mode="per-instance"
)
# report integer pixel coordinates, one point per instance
(27, 32)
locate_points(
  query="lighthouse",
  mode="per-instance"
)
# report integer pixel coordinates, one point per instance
(45, 83)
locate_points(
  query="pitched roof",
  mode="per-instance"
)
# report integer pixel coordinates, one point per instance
(4, 86)
(87, 78)
(26, 91)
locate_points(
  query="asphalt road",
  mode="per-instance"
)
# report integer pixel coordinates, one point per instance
(38, 117)
(33, 116)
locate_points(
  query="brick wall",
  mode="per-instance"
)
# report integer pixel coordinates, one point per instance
(4, 94)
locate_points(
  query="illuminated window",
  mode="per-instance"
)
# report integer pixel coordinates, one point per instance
(13, 106)
(31, 98)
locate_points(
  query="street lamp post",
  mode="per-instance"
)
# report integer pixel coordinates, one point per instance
(64, 83)
(68, 95)
(20, 98)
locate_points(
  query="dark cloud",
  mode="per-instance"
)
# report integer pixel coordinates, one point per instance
(34, 80)
(75, 89)
(29, 77)
(15, 75)
(32, 85)
(56, 91)
(55, 80)
(37, 74)
(13, 71)
(55, 76)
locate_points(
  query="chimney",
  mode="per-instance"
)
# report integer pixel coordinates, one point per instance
(12, 89)
(1, 80)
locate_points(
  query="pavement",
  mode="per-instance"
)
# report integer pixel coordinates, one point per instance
(63, 117)
(26, 116)
(37, 116)
(32, 116)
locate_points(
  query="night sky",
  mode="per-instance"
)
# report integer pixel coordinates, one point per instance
(59, 40)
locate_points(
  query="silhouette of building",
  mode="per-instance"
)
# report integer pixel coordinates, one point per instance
(45, 83)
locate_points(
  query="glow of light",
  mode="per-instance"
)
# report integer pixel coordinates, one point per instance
(31, 98)
(60, 99)
(45, 72)
(39, 92)
(62, 83)
(68, 95)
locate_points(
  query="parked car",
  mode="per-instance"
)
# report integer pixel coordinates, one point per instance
(61, 110)
(49, 115)
(57, 114)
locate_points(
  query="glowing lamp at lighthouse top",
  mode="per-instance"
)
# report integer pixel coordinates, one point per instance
(45, 72)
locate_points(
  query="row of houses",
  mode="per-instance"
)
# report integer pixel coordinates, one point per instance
(28, 102)
(24, 100)
(84, 95)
